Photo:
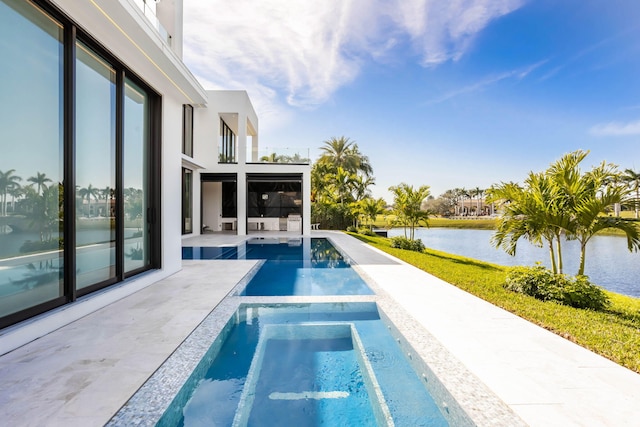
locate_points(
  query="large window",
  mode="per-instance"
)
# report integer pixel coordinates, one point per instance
(274, 199)
(227, 144)
(77, 199)
(187, 201)
(187, 130)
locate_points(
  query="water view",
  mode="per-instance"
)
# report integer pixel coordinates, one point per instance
(609, 264)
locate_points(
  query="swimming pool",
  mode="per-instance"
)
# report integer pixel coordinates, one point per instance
(300, 266)
(307, 364)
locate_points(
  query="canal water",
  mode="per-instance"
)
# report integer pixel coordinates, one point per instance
(609, 263)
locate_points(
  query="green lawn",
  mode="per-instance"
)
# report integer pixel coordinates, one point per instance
(615, 333)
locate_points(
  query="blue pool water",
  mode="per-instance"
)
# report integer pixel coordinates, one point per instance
(302, 266)
(264, 370)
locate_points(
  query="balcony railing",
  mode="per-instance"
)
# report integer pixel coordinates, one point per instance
(280, 155)
(148, 8)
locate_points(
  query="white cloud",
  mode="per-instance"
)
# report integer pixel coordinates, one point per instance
(616, 129)
(297, 54)
(517, 74)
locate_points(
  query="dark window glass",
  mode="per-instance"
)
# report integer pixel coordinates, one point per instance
(31, 163)
(187, 130)
(229, 200)
(274, 199)
(187, 201)
(227, 147)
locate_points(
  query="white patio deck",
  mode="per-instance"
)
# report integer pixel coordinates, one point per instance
(84, 372)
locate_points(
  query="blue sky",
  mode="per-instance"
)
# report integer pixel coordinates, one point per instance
(450, 94)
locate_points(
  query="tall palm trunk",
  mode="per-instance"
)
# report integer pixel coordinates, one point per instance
(552, 256)
(559, 252)
(583, 250)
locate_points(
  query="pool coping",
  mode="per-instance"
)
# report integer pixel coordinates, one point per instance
(147, 406)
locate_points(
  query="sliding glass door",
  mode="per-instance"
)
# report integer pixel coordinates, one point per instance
(95, 168)
(79, 168)
(137, 211)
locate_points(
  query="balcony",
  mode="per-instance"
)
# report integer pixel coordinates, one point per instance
(148, 8)
(280, 155)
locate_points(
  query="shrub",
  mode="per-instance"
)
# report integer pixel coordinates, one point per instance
(579, 292)
(407, 244)
(541, 283)
(365, 231)
(352, 229)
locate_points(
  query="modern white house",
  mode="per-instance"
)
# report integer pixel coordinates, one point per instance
(234, 185)
(112, 152)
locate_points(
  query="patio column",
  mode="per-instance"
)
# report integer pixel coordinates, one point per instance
(242, 204)
(242, 139)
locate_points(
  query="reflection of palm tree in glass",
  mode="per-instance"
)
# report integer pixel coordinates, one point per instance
(87, 193)
(44, 212)
(133, 206)
(15, 193)
(108, 193)
(40, 180)
(8, 182)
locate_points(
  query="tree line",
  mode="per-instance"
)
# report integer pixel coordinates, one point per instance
(562, 202)
(340, 195)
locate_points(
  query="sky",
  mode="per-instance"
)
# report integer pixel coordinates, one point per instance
(459, 93)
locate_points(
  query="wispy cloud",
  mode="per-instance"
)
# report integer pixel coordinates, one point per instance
(616, 129)
(517, 74)
(297, 54)
(588, 50)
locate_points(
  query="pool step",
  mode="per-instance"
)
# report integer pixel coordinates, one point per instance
(334, 357)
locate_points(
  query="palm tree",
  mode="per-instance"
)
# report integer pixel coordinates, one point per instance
(587, 196)
(372, 208)
(360, 185)
(478, 192)
(342, 152)
(633, 179)
(273, 158)
(407, 203)
(562, 200)
(532, 212)
(298, 159)
(463, 194)
(40, 180)
(8, 182)
(341, 185)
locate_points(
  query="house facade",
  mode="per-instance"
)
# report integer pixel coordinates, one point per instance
(112, 153)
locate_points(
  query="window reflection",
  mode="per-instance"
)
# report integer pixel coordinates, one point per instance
(95, 168)
(30, 167)
(136, 135)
